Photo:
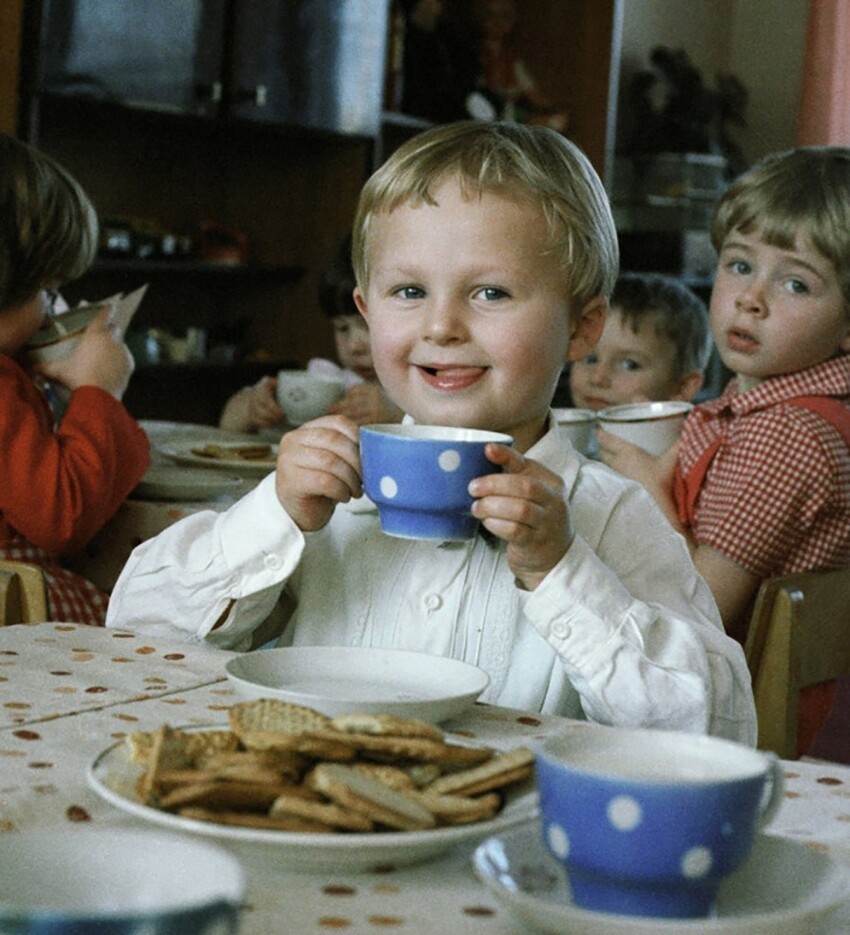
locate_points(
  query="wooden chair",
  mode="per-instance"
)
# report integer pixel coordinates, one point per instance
(23, 593)
(799, 635)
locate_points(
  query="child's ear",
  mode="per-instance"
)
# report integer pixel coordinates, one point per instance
(360, 302)
(587, 328)
(689, 385)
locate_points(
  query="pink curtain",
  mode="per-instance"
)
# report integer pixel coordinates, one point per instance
(824, 117)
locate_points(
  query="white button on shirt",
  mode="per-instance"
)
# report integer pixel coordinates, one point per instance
(613, 633)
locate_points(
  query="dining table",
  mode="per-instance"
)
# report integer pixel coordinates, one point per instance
(152, 507)
(68, 692)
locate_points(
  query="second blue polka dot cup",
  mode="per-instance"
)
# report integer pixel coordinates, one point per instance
(418, 475)
(649, 822)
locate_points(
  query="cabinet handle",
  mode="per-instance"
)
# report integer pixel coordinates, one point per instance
(258, 96)
(210, 92)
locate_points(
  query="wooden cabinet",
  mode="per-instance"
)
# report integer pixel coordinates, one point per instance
(265, 115)
(308, 63)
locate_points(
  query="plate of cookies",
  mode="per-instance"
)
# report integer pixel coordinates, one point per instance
(242, 457)
(340, 679)
(355, 792)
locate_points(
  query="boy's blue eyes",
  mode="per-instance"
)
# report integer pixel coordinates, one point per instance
(488, 293)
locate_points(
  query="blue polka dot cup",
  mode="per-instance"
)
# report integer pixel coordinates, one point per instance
(418, 476)
(649, 822)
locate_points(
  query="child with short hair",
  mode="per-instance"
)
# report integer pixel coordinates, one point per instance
(256, 407)
(760, 482)
(484, 253)
(655, 345)
(62, 479)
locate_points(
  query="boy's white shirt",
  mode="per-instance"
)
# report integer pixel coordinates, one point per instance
(622, 631)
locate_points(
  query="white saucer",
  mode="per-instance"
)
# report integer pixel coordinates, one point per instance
(164, 482)
(336, 680)
(784, 888)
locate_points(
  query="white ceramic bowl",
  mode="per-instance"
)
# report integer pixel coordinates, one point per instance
(338, 679)
(56, 341)
(304, 396)
(652, 426)
(117, 881)
(578, 425)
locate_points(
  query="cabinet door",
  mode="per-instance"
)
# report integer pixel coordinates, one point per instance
(312, 63)
(151, 53)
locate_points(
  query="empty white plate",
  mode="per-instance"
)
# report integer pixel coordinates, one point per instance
(784, 888)
(162, 482)
(337, 680)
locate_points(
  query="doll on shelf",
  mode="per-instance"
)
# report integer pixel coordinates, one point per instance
(505, 83)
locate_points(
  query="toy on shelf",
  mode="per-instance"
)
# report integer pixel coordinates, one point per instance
(506, 88)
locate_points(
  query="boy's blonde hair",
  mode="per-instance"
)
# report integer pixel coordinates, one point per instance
(48, 226)
(804, 190)
(531, 162)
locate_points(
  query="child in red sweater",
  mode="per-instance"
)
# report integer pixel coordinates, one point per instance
(62, 478)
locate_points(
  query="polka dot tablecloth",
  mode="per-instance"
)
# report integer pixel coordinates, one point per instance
(68, 692)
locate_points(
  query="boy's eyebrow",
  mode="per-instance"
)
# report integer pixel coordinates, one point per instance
(791, 256)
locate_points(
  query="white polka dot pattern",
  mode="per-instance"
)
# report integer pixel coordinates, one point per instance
(624, 813)
(448, 460)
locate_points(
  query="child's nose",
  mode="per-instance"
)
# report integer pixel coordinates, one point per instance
(444, 321)
(600, 374)
(751, 299)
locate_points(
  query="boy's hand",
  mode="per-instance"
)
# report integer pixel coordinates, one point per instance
(263, 409)
(526, 505)
(365, 403)
(654, 473)
(101, 358)
(318, 466)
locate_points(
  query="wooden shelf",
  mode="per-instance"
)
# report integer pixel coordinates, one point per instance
(199, 268)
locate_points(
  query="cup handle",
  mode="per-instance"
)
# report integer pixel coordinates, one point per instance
(774, 796)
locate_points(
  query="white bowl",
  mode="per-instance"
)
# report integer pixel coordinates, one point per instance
(304, 395)
(119, 881)
(651, 426)
(60, 337)
(341, 679)
(578, 425)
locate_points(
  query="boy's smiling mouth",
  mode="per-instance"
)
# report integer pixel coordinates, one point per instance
(455, 377)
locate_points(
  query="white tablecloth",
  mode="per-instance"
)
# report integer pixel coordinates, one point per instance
(67, 692)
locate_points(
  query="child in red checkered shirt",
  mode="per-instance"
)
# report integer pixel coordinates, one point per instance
(760, 480)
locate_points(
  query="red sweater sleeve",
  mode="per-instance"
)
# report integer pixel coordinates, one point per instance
(59, 488)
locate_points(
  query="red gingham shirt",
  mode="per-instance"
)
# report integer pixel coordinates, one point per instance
(776, 496)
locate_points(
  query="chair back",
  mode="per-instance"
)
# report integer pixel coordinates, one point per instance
(23, 593)
(799, 635)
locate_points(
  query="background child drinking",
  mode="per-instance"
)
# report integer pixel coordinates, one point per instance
(655, 345)
(760, 484)
(61, 482)
(484, 254)
(256, 407)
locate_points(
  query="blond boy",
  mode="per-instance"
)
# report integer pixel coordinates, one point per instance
(484, 254)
